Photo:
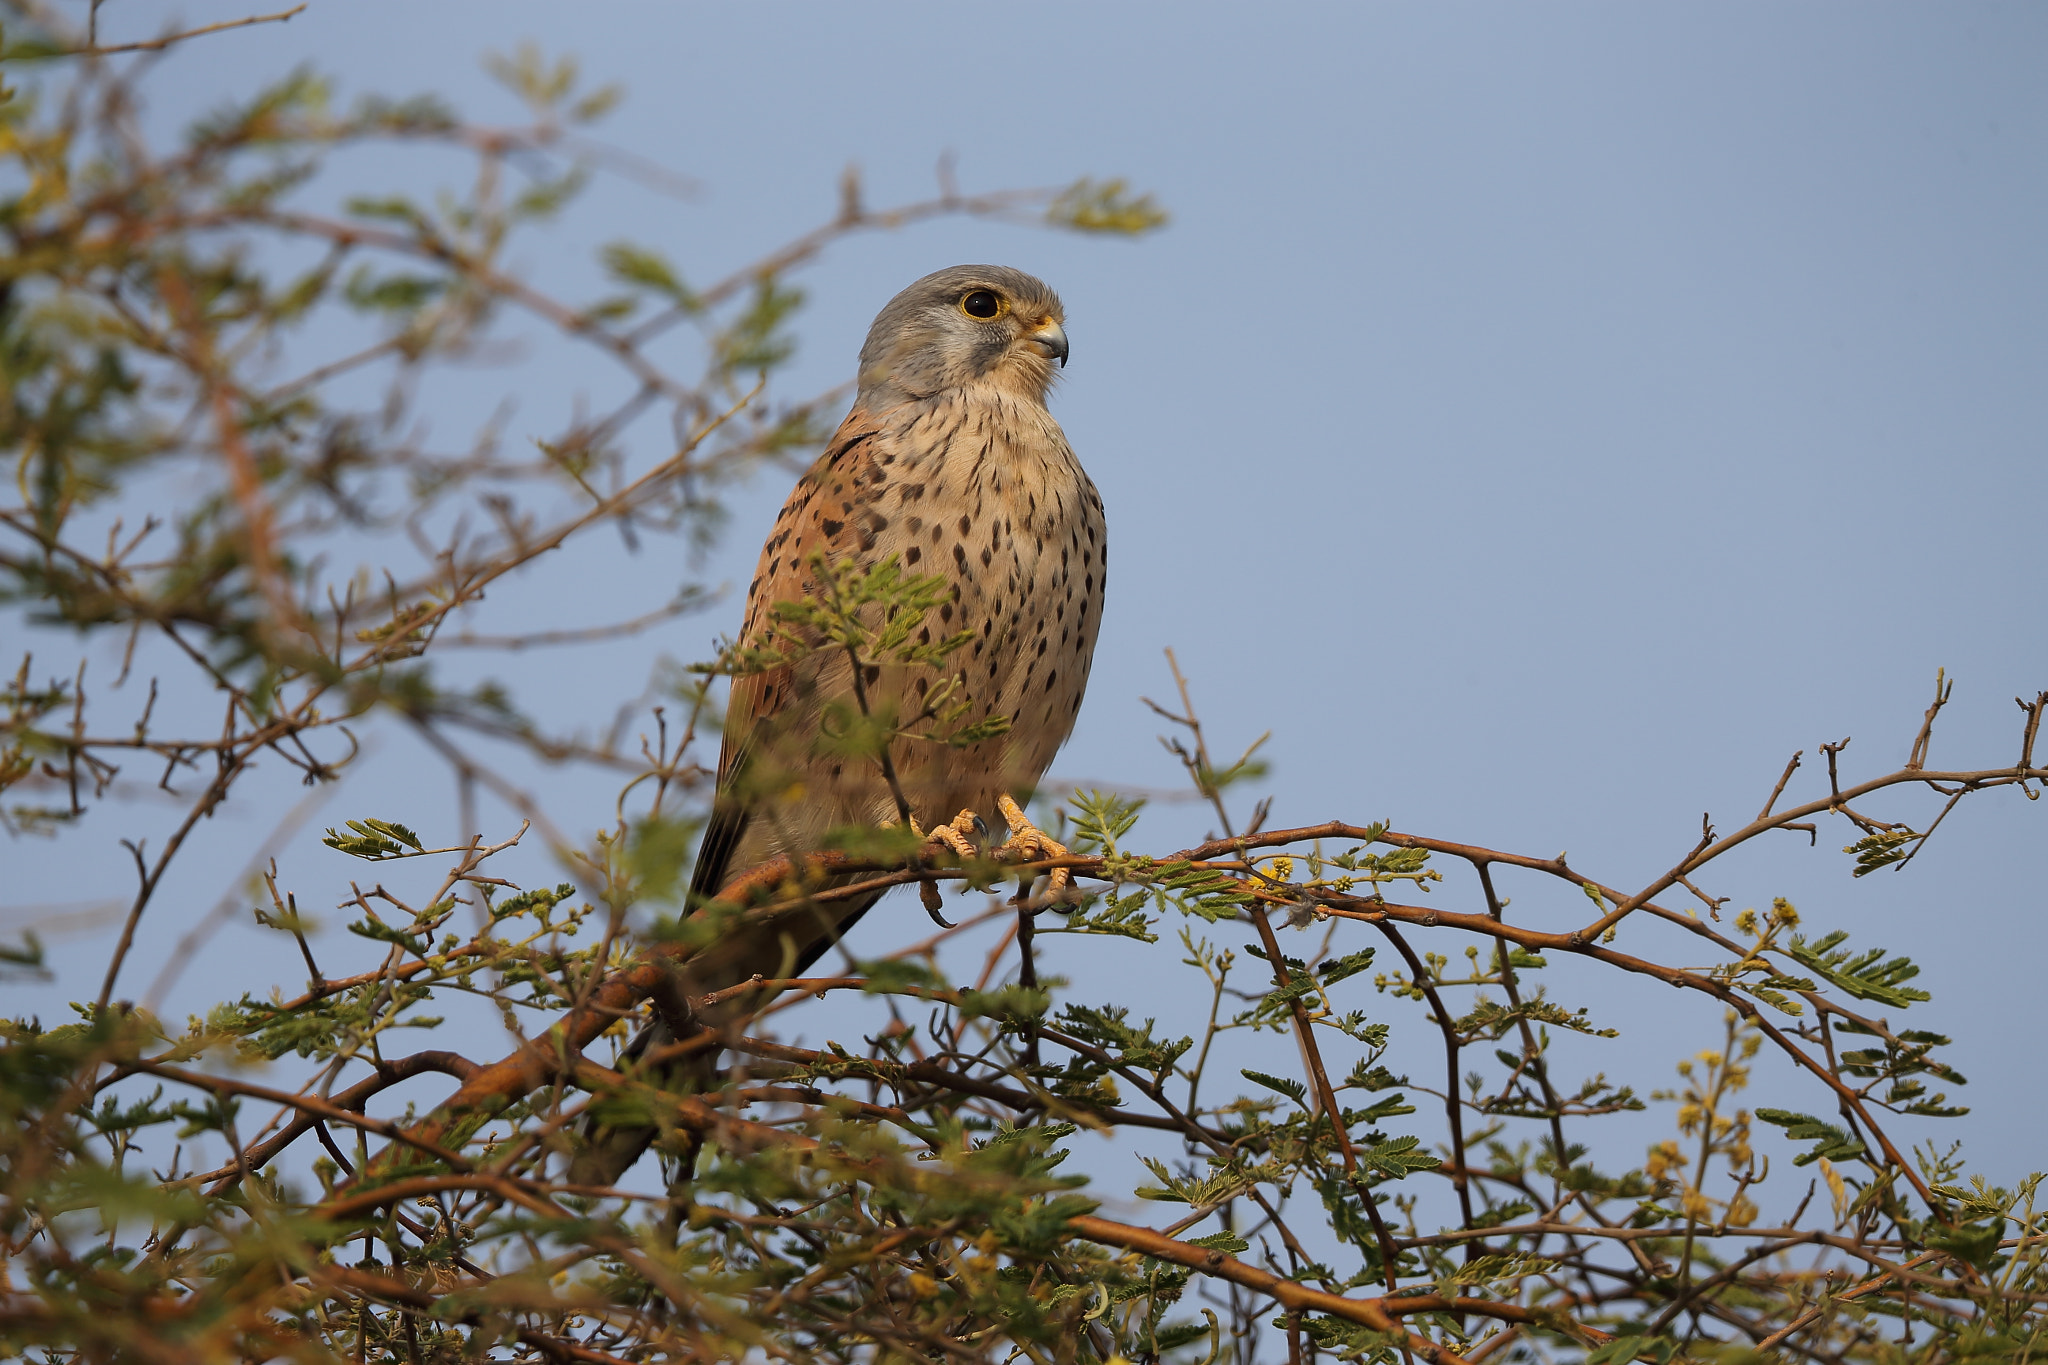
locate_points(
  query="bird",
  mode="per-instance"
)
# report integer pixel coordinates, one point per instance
(948, 463)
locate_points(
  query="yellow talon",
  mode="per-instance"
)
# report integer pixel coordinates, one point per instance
(1031, 843)
(953, 834)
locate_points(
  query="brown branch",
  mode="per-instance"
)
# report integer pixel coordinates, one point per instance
(194, 938)
(1918, 757)
(151, 875)
(940, 1077)
(306, 1104)
(385, 1287)
(1869, 1286)
(511, 1078)
(583, 635)
(243, 477)
(811, 243)
(1372, 912)
(159, 44)
(353, 1099)
(1837, 800)
(2033, 712)
(1453, 1109)
(1379, 1314)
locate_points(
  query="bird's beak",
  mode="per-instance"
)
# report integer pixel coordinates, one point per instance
(1051, 341)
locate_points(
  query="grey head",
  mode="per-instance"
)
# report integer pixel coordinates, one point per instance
(965, 326)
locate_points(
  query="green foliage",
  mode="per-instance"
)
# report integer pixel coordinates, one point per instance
(865, 616)
(1490, 1020)
(1371, 869)
(1115, 916)
(28, 958)
(1100, 819)
(1884, 848)
(1633, 1346)
(1293, 1090)
(641, 268)
(1105, 206)
(1867, 976)
(1902, 1056)
(1830, 1142)
(754, 342)
(1487, 1270)
(1107, 1027)
(374, 840)
(658, 855)
(1396, 1158)
(548, 87)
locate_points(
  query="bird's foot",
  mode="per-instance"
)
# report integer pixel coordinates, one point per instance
(953, 836)
(1031, 843)
(957, 834)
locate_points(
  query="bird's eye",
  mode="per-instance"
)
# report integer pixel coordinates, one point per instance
(981, 303)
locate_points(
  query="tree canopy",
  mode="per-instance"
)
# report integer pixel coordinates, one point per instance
(217, 349)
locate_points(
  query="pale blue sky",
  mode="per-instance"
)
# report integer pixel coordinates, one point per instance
(1544, 419)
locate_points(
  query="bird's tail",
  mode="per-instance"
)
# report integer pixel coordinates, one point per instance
(606, 1150)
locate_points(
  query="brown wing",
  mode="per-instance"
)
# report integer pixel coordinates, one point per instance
(822, 514)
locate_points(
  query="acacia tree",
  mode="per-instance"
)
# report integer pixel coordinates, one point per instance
(167, 325)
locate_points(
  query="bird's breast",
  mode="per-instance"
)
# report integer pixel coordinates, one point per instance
(984, 489)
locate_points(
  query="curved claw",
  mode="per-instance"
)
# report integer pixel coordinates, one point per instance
(933, 904)
(950, 837)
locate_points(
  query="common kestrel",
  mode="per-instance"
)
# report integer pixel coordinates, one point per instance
(949, 463)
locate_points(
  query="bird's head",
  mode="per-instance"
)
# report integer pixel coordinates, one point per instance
(970, 325)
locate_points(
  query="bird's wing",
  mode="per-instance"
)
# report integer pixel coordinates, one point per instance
(822, 514)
